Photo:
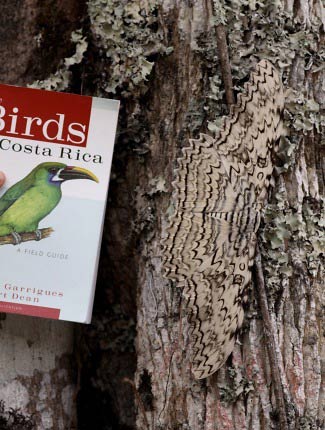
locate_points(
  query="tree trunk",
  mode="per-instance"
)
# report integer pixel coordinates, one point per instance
(184, 97)
(166, 62)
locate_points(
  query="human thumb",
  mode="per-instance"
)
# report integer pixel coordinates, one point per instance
(2, 178)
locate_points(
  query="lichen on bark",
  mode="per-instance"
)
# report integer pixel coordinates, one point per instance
(60, 79)
(128, 36)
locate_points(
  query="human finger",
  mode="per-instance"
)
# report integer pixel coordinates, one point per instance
(2, 178)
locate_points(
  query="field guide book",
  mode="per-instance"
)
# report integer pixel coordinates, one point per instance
(56, 152)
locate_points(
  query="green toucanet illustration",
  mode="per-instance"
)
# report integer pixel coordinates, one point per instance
(27, 202)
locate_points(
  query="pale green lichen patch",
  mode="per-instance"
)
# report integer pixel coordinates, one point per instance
(239, 386)
(303, 114)
(263, 29)
(220, 13)
(216, 95)
(127, 33)
(289, 236)
(156, 185)
(128, 37)
(60, 80)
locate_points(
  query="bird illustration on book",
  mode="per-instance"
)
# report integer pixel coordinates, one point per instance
(29, 201)
(220, 188)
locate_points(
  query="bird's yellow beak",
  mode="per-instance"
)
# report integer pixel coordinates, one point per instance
(73, 172)
(85, 173)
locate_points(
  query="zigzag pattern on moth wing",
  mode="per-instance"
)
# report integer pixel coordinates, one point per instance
(198, 291)
(240, 124)
(219, 189)
(213, 357)
(190, 235)
(215, 276)
(179, 266)
(264, 75)
(186, 195)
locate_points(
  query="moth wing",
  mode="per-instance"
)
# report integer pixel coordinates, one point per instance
(220, 187)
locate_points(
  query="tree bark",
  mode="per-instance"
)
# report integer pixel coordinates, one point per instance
(242, 395)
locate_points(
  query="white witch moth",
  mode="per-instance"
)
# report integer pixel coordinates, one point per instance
(220, 188)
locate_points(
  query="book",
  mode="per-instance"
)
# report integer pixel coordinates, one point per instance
(56, 152)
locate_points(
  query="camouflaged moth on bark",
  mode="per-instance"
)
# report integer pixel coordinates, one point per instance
(220, 188)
